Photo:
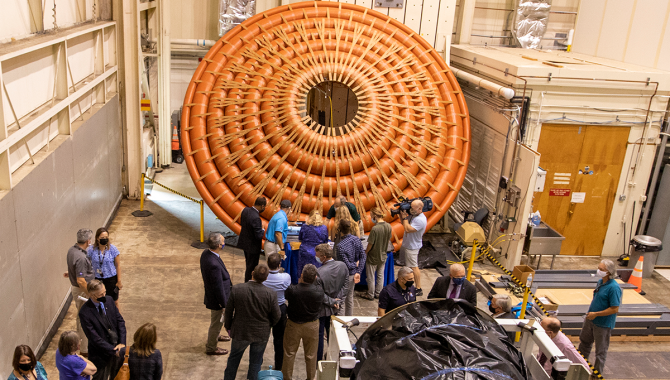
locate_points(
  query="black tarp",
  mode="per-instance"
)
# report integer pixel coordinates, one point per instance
(437, 340)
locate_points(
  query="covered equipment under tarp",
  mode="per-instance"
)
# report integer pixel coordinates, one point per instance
(437, 340)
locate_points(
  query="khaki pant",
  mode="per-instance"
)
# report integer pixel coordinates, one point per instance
(271, 248)
(309, 334)
(214, 330)
(76, 293)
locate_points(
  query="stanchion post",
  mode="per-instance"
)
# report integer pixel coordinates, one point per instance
(202, 222)
(526, 293)
(472, 258)
(142, 194)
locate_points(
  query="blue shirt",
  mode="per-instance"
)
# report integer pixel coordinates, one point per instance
(393, 296)
(103, 262)
(605, 296)
(278, 223)
(70, 367)
(278, 282)
(39, 370)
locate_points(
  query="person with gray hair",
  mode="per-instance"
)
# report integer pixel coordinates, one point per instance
(501, 307)
(454, 286)
(275, 237)
(397, 293)
(217, 282)
(601, 317)
(80, 273)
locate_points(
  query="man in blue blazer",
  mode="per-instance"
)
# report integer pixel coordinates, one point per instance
(217, 290)
(105, 329)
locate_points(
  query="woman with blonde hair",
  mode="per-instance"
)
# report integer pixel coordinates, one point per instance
(312, 233)
(145, 360)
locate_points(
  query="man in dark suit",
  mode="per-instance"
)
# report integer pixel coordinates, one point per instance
(252, 310)
(105, 329)
(217, 290)
(454, 286)
(333, 277)
(251, 235)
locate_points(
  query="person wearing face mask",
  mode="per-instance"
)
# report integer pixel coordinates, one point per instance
(333, 277)
(217, 282)
(26, 365)
(375, 262)
(80, 273)
(106, 263)
(105, 329)
(552, 326)
(412, 239)
(501, 307)
(70, 365)
(454, 286)
(601, 317)
(398, 293)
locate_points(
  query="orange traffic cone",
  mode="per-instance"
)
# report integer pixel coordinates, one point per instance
(636, 277)
(175, 138)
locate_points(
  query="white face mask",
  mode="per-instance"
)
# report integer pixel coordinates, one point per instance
(601, 274)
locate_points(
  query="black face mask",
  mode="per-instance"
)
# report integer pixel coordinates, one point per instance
(101, 299)
(408, 284)
(492, 309)
(104, 241)
(25, 367)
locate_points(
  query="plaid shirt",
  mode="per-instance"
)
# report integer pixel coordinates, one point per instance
(144, 368)
(350, 250)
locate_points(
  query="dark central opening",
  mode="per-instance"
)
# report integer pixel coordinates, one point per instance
(333, 105)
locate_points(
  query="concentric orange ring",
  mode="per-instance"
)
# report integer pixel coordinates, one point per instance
(245, 133)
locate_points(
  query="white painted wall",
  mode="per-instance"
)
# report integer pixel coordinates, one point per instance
(635, 32)
(18, 20)
(75, 185)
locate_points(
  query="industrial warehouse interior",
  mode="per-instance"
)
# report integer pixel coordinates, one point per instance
(362, 189)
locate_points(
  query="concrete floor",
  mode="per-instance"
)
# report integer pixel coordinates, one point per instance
(162, 284)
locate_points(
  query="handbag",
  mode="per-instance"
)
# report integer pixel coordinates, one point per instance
(124, 371)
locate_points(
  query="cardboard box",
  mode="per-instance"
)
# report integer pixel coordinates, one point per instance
(521, 272)
(548, 303)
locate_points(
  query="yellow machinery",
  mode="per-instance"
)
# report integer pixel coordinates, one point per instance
(469, 232)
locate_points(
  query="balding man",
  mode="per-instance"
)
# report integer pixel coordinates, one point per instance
(454, 286)
(341, 200)
(552, 326)
(414, 225)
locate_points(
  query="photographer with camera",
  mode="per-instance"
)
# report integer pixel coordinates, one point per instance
(414, 224)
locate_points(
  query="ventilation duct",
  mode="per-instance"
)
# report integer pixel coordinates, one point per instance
(532, 17)
(233, 12)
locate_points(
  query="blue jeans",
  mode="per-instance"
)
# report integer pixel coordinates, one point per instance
(237, 349)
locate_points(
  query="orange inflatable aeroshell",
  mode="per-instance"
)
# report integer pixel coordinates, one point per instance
(245, 132)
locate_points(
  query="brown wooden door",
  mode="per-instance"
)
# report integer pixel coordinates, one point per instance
(581, 159)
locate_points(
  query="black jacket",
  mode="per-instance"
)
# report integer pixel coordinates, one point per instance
(251, 311)
(439, 290)
(251, 234)
(216, 279)
(96, 328)
(304, 302)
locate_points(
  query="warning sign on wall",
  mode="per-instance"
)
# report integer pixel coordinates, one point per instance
(559, 192)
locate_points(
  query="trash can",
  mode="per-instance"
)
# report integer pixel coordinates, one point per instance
(647, 246)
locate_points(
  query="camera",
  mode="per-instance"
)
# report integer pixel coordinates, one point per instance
(405, 204)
